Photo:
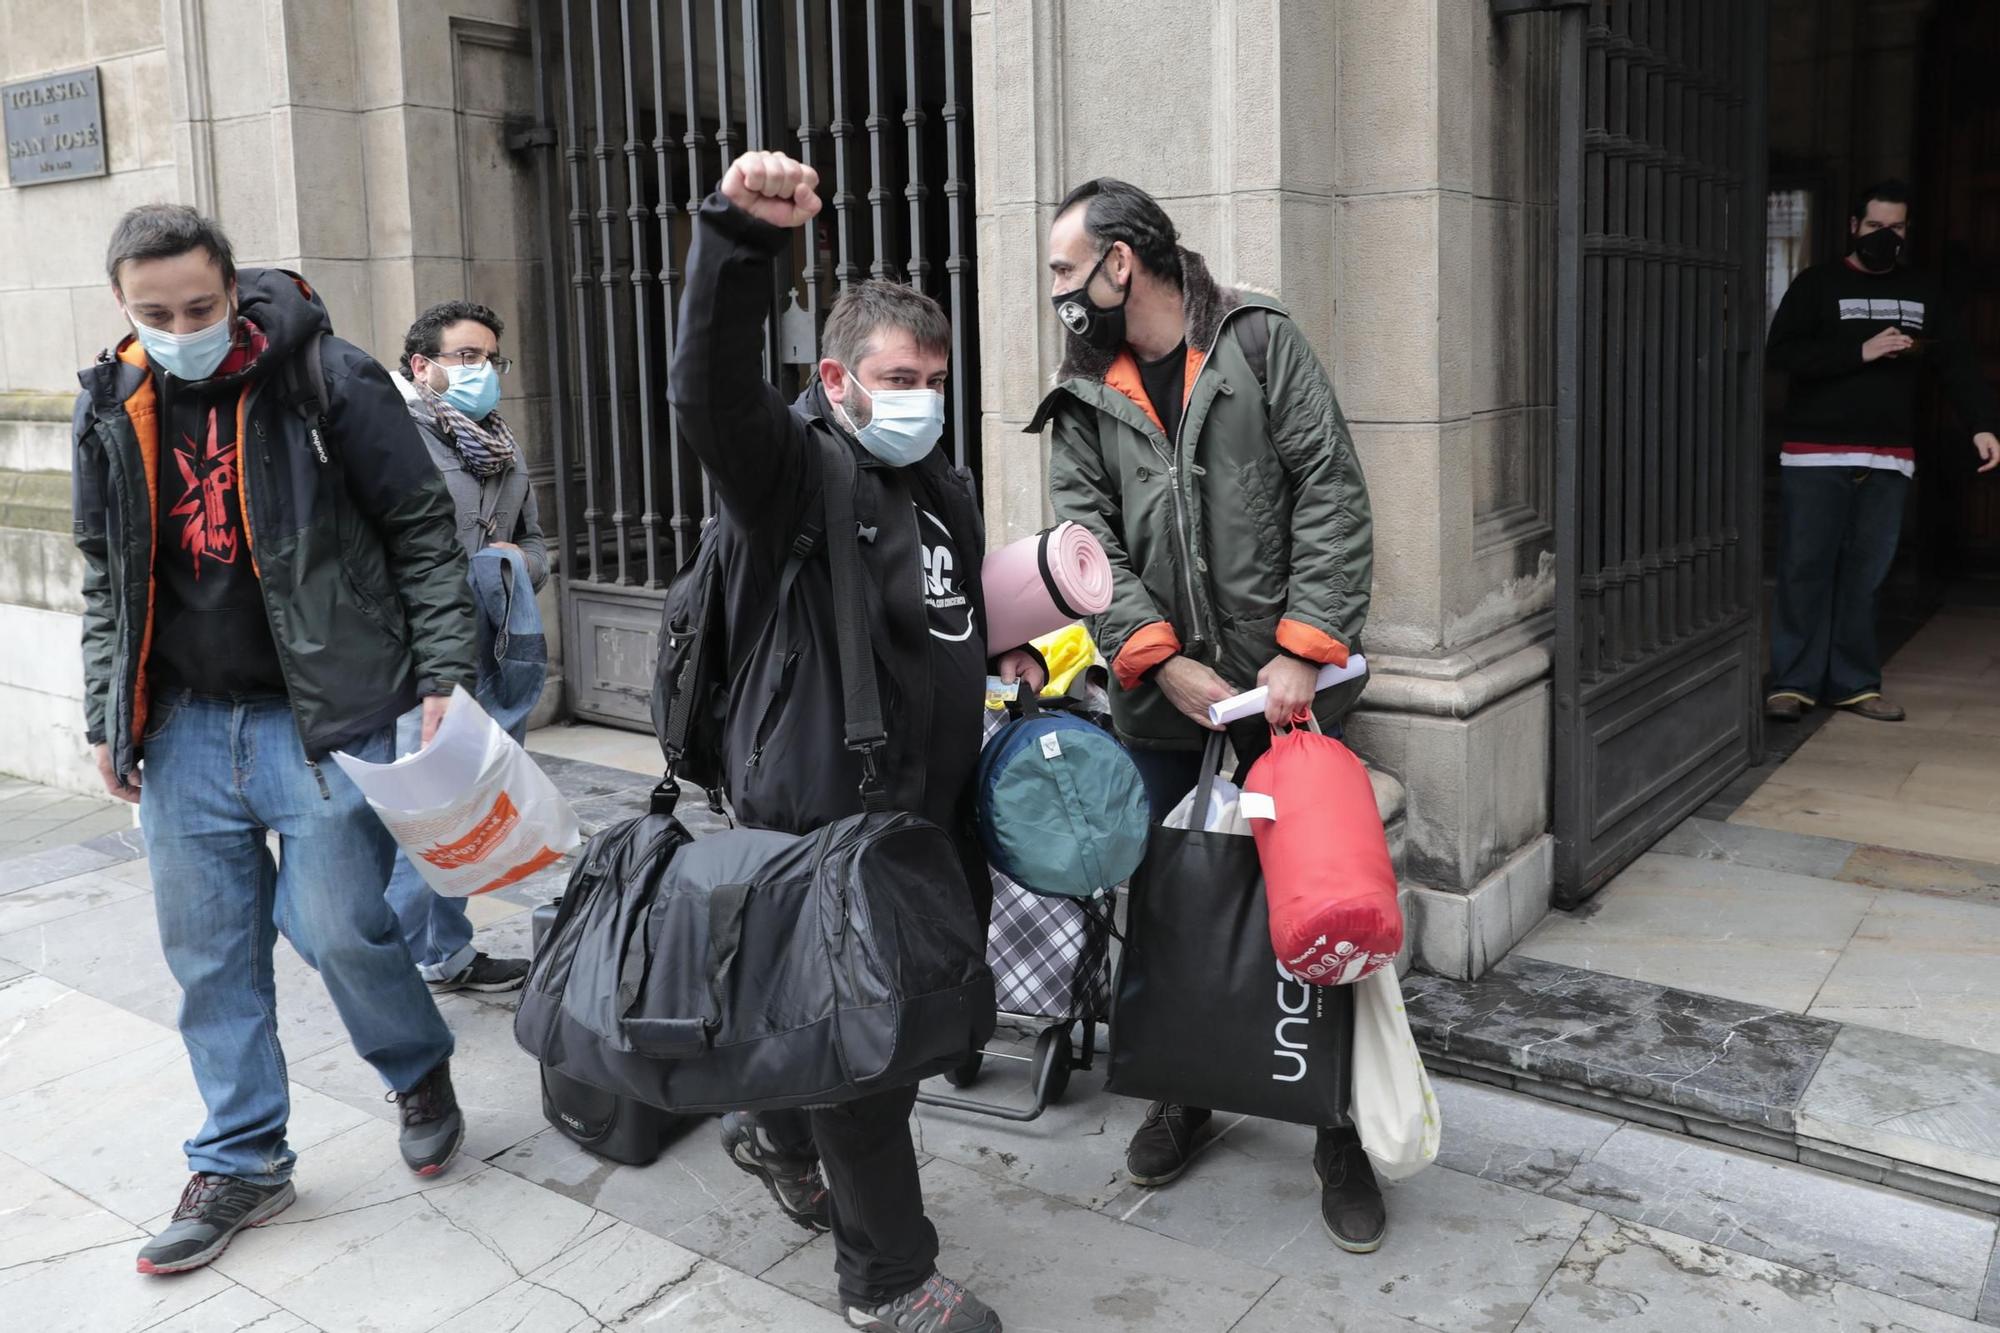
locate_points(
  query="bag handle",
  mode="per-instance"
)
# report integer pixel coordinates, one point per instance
(862, 697)
(1211, 763)
(684, 1038)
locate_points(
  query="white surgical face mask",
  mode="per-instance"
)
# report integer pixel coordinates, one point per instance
(188, 356)
(903, 424)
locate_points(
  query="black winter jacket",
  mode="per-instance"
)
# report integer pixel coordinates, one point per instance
(764, 461)
(349, 526)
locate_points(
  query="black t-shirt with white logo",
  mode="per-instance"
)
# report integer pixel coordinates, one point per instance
(958, 645)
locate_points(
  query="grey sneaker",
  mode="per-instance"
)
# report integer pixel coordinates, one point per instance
(212, 1210)
(939, 1306)
(796, 1183)
(485, 974)
(433, 1127)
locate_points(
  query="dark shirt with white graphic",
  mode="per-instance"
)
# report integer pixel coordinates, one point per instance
(210, 631)
(958, 646)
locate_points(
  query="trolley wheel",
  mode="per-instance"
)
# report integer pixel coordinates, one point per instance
(1054, 1048)
(968, 1073)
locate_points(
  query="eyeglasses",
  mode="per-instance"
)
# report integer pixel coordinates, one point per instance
(472, 356)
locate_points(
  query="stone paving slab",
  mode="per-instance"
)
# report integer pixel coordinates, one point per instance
(42, 1219)
(1460, 1253)
(1989, 1300)
(1639, 1280)
(1926, 966)
(1514, 1140)
(1921, 1251)
(1051, 1267)
(36, 868)
(113, 1131)
(494, 1080)
(96, 1291)
(1726, 1061)
(113, 953)
(1765, 938)
(1908, 1099)
(1760, 848)
(55, 899)
(1296, 1305)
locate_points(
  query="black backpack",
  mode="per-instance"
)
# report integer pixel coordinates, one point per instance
(697, 664)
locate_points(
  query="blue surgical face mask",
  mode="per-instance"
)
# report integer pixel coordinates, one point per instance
(474, 390)
(903, 424)
(188, 356)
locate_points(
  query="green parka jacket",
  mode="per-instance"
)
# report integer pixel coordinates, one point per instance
(1246, 537)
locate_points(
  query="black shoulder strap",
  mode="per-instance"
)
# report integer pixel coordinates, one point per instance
(1253, 335)
(305, 381)
(866, 735)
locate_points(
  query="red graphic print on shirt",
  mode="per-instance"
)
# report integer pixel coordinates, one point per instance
(208, 475)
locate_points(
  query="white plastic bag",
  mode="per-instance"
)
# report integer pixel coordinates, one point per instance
(471, 811)
(1394, 1107)
(1224, 811)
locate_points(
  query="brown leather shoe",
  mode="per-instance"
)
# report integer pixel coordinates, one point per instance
(1874, 707)
(1785, 706)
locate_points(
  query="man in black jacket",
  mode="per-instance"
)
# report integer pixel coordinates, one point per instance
(880, 393)
(271, 574)
(1856, 335)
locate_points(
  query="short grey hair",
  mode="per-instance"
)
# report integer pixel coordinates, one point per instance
(862, 308)
(161, 231)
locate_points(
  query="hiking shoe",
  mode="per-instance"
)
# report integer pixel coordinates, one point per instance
(486, 974)
(212, 1210)
(433, 1127)
(1164, 1143)
(1785, 706)
(1350, 1199)
(939, 1306)
(795, 1182)
(1873, 707)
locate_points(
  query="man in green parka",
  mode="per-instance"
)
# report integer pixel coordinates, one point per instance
(1197, 436)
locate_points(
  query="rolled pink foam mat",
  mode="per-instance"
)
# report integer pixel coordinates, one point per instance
(1039, 584)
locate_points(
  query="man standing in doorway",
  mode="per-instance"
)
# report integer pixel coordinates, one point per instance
(1197, 437)
(1855, 335)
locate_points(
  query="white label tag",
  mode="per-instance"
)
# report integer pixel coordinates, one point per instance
(1051, 746)
(1256, 805)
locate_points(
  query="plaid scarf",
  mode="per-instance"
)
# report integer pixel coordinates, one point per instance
(485, 447)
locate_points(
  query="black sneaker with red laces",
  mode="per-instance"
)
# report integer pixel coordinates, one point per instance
(939, 1306)
(433, 1126)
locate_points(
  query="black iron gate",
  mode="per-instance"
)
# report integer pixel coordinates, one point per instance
(641, 105)
(1660, 302)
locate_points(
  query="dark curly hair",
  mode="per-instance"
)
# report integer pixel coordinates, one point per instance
(1118, 211)
(426, 336)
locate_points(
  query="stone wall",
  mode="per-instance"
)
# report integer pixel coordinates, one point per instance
(1388, 170)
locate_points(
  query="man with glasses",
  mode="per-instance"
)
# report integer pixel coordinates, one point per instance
(450, 380)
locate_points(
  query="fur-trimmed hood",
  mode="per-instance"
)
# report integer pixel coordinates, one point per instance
(1204, 300)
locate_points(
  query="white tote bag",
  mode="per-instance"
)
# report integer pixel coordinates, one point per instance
(1394, 1107)
(471, 811)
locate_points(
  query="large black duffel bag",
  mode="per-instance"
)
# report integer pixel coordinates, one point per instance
(751, 969)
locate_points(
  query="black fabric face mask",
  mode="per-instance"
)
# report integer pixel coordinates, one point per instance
(1101, 327)
(1879, 250)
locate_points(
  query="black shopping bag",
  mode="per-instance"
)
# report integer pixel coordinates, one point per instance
(1205, 1016)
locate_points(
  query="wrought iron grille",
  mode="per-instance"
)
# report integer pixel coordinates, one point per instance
(643, 104)
(1660, 302)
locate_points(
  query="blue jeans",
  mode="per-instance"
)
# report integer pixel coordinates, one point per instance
(219, 776)
(1836, 542)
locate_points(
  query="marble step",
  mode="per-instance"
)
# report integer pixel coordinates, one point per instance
(1911, 1114)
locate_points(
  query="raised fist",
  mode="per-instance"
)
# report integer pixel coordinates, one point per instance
(773, 188)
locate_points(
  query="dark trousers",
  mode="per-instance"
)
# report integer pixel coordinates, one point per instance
(1169, 776)
(883, 1244)
(1836, 542)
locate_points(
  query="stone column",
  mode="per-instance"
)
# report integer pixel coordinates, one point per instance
(1444, 360)
(1388, 171)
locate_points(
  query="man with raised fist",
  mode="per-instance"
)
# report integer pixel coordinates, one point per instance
(880, 393)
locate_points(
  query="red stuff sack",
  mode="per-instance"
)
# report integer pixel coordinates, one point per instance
(1327, 874)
